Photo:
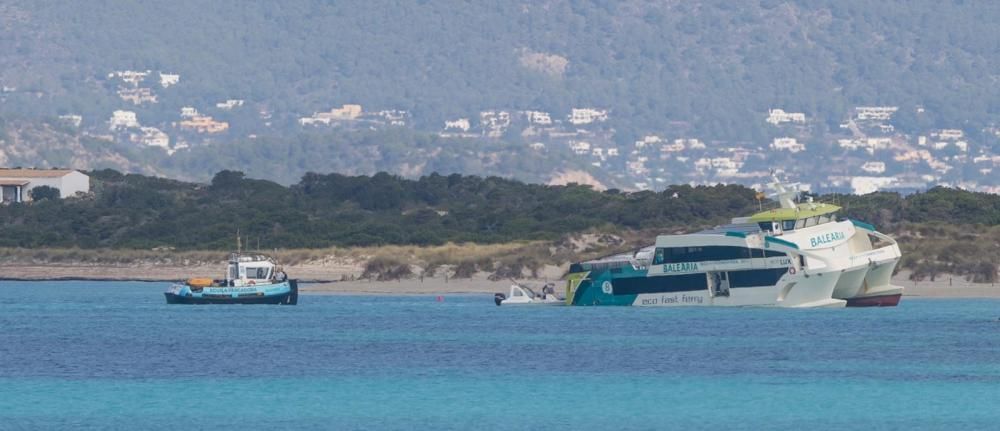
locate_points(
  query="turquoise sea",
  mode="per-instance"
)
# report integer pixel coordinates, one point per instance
(86, 355)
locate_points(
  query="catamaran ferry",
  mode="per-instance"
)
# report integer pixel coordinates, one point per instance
(797, 255)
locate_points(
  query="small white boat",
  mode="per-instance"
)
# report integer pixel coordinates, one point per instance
(524, 295)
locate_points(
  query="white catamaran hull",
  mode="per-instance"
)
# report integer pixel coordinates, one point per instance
(796, 292)
(864, 273)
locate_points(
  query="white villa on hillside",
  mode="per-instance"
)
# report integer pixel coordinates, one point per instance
(168, 79)
(494, 123)
(16, 184)
(580, 116)
(778, 116)
(229, 104)
(189, 112)
(123, 120)
(540, 118)
(874, 167)
(461, 124)
(787, 144)
(345, 113)
(866, 185)
(878, 113)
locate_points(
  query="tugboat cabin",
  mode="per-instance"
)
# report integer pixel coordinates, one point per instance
(250, 269)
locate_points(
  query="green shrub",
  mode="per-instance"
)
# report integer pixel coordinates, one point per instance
(41, 193)
(386, 268)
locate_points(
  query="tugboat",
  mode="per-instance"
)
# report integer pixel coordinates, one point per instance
(250, 279)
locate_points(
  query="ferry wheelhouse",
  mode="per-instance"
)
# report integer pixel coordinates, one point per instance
(249, 279)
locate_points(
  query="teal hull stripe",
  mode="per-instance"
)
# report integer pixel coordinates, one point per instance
(863, 225)
(626, 288)
(781, 241)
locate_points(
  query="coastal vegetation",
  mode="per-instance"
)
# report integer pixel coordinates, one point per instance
(430, 222)
(140, 212)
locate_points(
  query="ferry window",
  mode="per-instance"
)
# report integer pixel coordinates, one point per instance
(823, 219)
(788, 225)
(765, 226)
(800, 223)
(658, 257)
(811, 221)
(233, 273)
(699, 254)
(878, 242)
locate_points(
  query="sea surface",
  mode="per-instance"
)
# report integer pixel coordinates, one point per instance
(86, 355)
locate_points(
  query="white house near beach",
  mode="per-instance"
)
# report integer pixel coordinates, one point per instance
(16, 184)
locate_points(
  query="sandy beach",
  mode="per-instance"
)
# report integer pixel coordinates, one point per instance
(314, 278)
(309, 273)
(429, 286)
(327, 278)
(479, 284)
(946, 286)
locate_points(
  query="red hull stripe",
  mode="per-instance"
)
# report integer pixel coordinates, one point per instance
(875, 301)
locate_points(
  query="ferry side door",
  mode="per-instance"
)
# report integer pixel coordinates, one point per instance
(718, 284)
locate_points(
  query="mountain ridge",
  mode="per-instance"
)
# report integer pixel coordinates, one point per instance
(695, 71)
(646, 62)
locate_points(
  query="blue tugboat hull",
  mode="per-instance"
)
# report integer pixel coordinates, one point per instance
(286, 293)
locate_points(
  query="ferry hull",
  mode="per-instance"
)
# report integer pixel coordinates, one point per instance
(880, 276)
(869, 287)
(850, 283)
(865, 274)
(792, 291)
(876, 288)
